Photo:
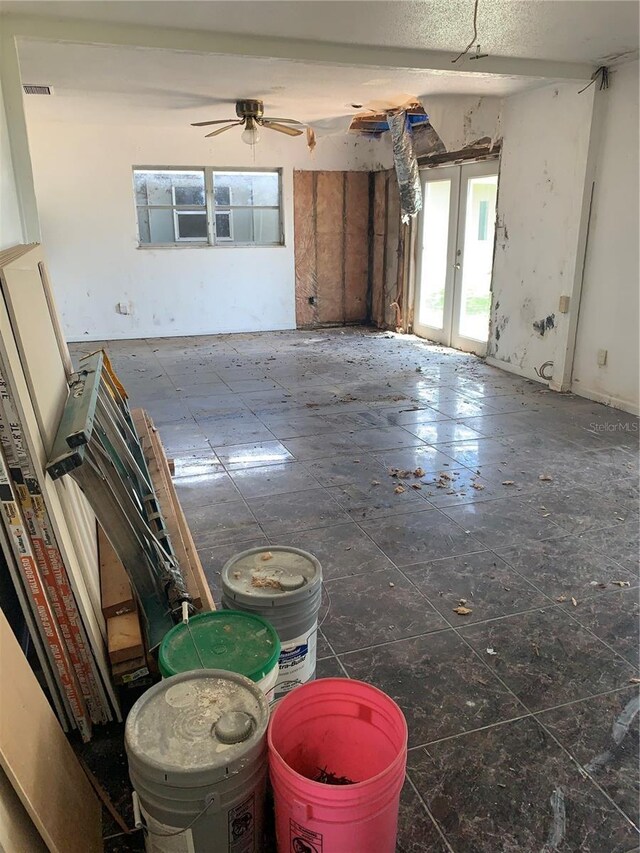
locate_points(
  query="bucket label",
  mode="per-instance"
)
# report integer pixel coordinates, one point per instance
(297, 662)
(163, 839)
(242, 826)
(303, 840)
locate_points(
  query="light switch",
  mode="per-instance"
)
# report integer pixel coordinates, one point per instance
(602, 357)
(563, 305)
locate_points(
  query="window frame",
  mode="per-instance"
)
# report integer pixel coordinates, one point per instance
(211, 209)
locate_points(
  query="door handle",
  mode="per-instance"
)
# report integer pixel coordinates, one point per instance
(456, 266)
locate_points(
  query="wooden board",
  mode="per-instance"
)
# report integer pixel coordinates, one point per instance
(124, 637)
(356, 251)
(39, 761)
(330, 246)
(379, 246)
(117, 596)
(172, 511)
(17, 831)
(197, 572)
(304, 223)
(391, 293)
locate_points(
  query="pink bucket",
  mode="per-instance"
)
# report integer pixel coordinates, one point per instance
(349, 729)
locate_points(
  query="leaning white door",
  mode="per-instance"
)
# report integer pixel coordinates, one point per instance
(436, 254)
(457, 227)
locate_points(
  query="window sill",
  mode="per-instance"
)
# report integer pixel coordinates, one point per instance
(150, 246)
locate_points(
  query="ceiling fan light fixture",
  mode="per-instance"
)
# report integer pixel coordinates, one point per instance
(251, 134)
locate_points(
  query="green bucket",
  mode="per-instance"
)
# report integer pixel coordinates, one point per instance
(223, 639)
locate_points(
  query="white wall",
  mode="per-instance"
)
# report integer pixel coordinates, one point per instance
(609, 308)
(85, 197)
(461, 120)
(544, 155)
(10, 222)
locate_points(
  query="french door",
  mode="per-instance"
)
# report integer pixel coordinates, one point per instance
(455, 255)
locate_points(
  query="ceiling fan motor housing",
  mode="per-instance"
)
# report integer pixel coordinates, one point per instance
(250, 109)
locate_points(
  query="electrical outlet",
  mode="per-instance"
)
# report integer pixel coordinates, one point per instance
(602, 357)
(563, 305)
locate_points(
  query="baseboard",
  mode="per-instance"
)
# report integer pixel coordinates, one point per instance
(514, 368)
(607, 399)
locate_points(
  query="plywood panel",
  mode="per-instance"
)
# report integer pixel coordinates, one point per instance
(17, 832)
(330, 246)
(40, 763)
(391, 255)
(304, 220)
(379, 246)
(356, 259)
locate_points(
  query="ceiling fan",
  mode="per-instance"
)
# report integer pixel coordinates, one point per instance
(251, 115)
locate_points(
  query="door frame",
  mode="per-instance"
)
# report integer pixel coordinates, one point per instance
(433, 175)
(458, 175)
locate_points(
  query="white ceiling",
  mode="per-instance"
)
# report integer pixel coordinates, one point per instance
(569, 30)
(149, 86)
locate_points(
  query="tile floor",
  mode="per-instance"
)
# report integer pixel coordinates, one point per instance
(522, 713)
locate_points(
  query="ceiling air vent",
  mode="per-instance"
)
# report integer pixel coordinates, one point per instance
(34, 89)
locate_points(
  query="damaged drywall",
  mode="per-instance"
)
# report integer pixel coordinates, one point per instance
(538, 218)
(331, 229)
(462, 121)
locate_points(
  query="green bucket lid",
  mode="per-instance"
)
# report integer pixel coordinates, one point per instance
(222, 639)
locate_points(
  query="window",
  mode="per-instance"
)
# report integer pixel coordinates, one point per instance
(208, 207)
(483, 212)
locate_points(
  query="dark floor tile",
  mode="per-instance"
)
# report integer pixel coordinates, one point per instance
(222, 524)
(420, 536)
(320, 446)
(454, 486)
(492, 426)
(615, 618)
(484, 582)
(376, 607)
(546, 658)
(460, 408)
(603, 736)
(417, 833)
(385, 438)
(565, 566)
(578, 509)
(357, 468)
(329, 667)
(183, 436)
(296, 511)
(229, 434)
(479, 452)
(379, 498)
(297, 427)
(194, 463)
(423, 675)
(620, 543)
(343, 550)
(503, 522)
(252, 455)
(441, 432)
(429, 459)
(273, 479)
(205, 490)
(512, 788)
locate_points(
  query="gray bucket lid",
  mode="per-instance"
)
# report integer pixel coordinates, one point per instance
(196, 722)
(272, 573)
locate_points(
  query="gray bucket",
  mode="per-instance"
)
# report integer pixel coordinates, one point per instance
(286, 589)
(197, 751)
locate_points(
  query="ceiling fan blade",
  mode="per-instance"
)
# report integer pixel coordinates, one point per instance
(282, 128)
(222, 129)
(283, 120)
(205, 123)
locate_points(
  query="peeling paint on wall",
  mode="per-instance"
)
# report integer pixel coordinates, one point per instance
(544, 325)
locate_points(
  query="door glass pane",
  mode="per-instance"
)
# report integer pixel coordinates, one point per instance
(479, 231)
(435, 245)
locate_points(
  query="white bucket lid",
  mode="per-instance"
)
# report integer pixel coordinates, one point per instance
(195, 723)
(275, 572)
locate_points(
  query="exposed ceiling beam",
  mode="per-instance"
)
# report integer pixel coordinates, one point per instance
(89, 32)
